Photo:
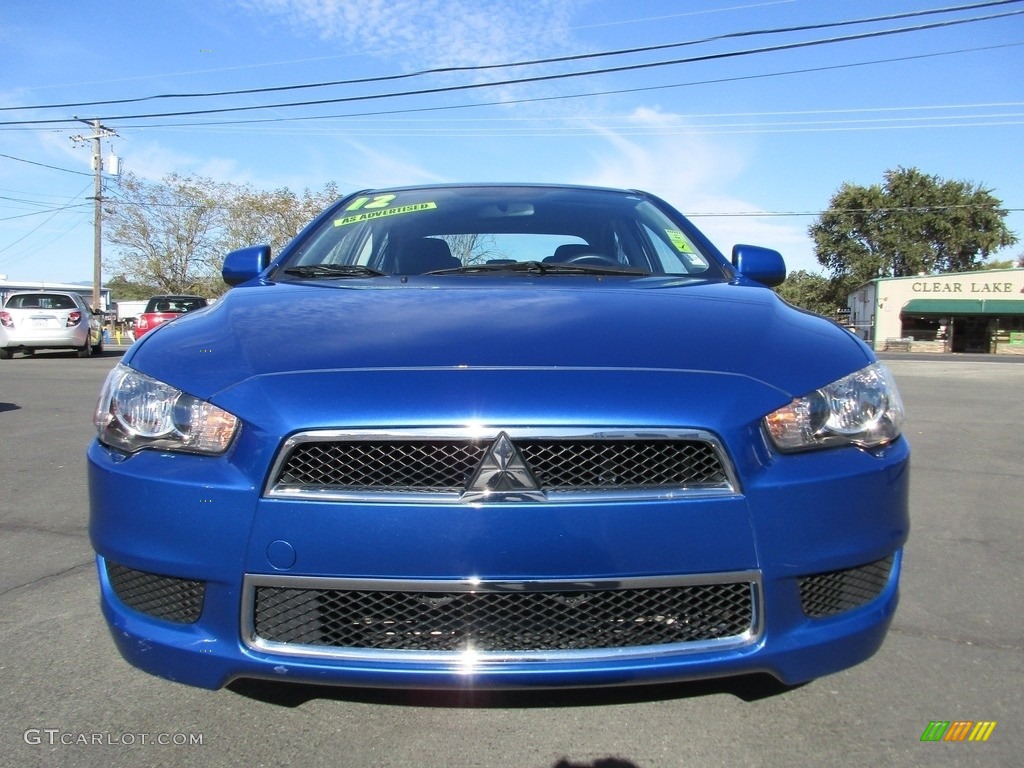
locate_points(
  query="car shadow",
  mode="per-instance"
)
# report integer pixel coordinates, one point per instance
(748, 688)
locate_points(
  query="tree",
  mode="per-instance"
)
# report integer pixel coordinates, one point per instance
(999, 264)
(815, 293)
(913, 223)
(123, 289)
(255, 217)
(173, 235)
(473, 248)
(170, 234)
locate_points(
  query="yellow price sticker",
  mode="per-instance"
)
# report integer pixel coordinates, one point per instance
(365, 214)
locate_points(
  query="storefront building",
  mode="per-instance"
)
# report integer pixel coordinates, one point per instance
(980, 312)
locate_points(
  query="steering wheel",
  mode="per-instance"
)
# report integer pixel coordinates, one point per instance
(595, 259)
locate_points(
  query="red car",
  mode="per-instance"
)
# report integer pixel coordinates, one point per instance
(160, 309)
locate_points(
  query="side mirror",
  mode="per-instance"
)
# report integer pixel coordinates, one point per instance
(245, 264)
(761, 264)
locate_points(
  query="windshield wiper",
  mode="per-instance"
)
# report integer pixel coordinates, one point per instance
(333, 270)
(542, 268)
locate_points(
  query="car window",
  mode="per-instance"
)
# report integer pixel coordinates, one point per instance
(175, 304)
(674, 250)
(41, 301)
(187, 305)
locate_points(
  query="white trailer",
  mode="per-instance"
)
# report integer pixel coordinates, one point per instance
(127, 311)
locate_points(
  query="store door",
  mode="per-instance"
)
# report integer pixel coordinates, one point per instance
(971, 334)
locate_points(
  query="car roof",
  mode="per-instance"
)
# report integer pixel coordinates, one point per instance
(492, 186)
(44, 291)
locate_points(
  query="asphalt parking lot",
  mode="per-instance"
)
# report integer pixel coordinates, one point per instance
(955, 651)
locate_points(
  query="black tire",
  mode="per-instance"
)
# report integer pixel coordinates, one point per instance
(86, 350)
(6, 354)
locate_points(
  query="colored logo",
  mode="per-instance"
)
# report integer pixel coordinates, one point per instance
(958, 730)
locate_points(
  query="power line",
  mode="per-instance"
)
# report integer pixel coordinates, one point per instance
(44, 165)
(547, 78)
(415, 48)
(35, 229)
(39, 213)
(531, 62)
(508, 102)
(779, 214)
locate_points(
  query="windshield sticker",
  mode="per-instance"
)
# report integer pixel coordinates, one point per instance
(685, 247)
(679, 241)
(380, 201)
(379, 211)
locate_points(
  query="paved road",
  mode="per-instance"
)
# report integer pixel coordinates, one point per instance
(956, 651)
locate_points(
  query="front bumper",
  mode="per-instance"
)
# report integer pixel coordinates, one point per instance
(195, 655)
(188, 518)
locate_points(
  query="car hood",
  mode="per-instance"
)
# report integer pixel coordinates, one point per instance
(470, 323)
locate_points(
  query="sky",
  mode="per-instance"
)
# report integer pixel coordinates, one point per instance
(746, 115)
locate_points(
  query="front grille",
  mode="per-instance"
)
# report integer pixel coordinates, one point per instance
(359, 465)
(593, 464)
(827, 594)
(501, 618)
(163, 597)
(384, 465)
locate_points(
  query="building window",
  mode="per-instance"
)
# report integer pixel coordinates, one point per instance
(925, 328)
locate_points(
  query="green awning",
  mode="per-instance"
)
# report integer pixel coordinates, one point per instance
(963, 307)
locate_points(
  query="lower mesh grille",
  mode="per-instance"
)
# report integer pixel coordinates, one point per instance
(505, 620)
(163, 597)
(827, 594)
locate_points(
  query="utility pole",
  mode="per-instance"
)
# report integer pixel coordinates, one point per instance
(98, 132)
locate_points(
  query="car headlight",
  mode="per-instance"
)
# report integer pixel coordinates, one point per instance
(862, 409)
(136, 411)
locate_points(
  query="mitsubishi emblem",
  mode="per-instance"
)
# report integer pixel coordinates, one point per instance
(503, 475)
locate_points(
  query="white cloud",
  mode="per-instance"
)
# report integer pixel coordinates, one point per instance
(428, 32)
(653, 151)
(359, 165)
(153, 160)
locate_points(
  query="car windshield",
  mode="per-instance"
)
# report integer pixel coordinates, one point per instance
(483, 230)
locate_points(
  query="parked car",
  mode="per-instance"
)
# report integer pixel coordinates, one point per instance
(33, 320)
(161, 309)
(498, 436)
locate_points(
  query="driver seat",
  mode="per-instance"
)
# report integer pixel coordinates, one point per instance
(425, 255)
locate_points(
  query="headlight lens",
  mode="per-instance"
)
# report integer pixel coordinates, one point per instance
(136, 411)
(862, 409)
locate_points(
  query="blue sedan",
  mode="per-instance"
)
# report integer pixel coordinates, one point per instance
(503, 436)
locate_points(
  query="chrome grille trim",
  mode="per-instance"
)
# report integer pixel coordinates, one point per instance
(466, 660)
(466, 447)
